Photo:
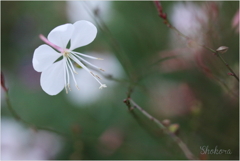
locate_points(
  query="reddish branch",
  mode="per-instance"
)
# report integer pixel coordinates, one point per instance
(166, 21)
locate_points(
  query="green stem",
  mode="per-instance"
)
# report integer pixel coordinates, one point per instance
(15, 115)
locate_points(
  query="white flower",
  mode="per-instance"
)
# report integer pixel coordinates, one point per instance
(56, 73)
(90, 94)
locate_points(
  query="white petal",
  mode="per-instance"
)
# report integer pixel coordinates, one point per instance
(52, 79)
(61, 35)
(43, 57)
(83, 34)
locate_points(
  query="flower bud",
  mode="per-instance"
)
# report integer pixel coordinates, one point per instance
(174, 128)
(222, 49)
(166, 122)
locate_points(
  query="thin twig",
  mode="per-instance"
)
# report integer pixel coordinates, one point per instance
(180, 143)
(227, 65)
(221, 58)
(166, 21)
(15, 115)
(117, 47)
(126, 64)
(35, 127)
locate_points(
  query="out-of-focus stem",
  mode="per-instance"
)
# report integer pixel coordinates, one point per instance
(180, 143)
(18, 118)
(15, 115)
(166, 21)
(126, 64)
(222, 59)
(227, 65)
(175, 29)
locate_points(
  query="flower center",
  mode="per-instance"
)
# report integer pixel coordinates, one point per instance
(66, 54)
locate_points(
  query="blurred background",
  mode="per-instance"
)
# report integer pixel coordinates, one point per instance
(174, 81)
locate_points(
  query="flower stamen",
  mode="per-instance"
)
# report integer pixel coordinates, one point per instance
(84, 67)
(74, 54)
(69, 87)
(91, 57)
(71, 70)
(102, 86)
(66, 79)
(95, 75)
(77, 87)
(66, 89)
(64, 72)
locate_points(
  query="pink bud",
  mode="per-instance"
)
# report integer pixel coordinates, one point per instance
(222, 49)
